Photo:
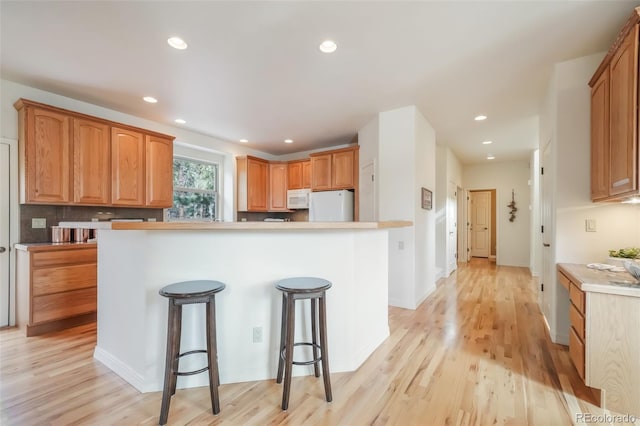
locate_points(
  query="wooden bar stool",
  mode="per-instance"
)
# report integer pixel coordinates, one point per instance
(301, 288)
(186, 293)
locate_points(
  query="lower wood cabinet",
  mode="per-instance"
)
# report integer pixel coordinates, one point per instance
(577, 310)
(56, 286)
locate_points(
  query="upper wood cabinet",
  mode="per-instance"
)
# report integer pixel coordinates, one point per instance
(71, 158)
(600, 137)
(91, 162)
(333, 170)
(278, 176)
(614, 118)
(127, 167)
(252, 184)
(299, 174)
(159, 171)
(45, 155)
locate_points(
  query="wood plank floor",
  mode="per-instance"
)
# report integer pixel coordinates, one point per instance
(476, 352)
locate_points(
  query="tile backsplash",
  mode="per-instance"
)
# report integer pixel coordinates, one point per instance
(55, 214)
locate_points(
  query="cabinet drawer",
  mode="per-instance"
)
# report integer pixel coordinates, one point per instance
(577, 297)
(576, 352)
(62, 305)
(64, 278)
(577, 321)
(564, 281)
(64, 257)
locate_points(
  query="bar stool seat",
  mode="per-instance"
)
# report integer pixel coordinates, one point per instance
(186, 293)
(300, 288)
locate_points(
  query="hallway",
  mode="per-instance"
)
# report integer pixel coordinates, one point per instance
(476, 352)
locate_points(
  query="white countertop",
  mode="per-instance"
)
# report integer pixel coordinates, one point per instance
(596, 281)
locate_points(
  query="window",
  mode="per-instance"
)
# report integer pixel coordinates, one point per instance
(195, 190)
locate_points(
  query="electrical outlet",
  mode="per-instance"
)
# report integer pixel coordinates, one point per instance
(257, 334)
(38, 222)
(590, 225)
(400, 245)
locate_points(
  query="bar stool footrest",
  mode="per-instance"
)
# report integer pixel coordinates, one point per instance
(313, 361)
(191, 373)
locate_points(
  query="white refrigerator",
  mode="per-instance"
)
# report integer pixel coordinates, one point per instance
(331, 206)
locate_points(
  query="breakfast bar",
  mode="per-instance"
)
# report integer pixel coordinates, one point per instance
(135, 260)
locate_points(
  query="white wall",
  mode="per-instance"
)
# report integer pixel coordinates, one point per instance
(401, 142)
(368, 139)
(425, 226)
(513, 238)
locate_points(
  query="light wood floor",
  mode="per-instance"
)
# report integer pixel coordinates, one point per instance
(476, 352)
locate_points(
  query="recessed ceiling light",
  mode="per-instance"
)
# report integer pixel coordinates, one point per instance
(487, 142)
(328, 46)
(150, 99)
(480, 117)
(177, 43)
(288, 141)
(244, 140)
(490, 157)
(179, 121)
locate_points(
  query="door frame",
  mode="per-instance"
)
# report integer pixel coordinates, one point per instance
(14, 223)
(492, 212)
(463, 226)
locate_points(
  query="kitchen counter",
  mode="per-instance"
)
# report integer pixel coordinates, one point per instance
(135, 260)
(281, 226)
(48, 246)
(596, 281)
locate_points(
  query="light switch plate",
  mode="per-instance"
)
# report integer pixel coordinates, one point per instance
(38, 222)
(590, 225)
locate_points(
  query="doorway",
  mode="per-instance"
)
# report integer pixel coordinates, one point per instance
(482, 223)
(5, 238)
(452, 227)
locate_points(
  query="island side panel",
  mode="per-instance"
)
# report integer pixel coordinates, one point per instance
(249, 262)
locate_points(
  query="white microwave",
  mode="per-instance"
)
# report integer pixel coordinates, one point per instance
(298, 198)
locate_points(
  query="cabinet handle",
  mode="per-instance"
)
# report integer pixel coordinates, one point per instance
(546, 244)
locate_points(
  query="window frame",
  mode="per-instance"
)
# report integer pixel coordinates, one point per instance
(215, 192)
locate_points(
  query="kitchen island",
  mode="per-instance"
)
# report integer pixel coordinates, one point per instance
(135, 260)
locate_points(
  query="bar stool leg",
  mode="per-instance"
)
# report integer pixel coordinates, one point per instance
(171, 355)
(214, 378)
(176, 348)
(291, 320)
(283, 338)
(325, 349)
(314, 335)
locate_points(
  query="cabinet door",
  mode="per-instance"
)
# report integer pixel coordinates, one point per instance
(47, 157)
(257, 185)
(342, 176)
(127, 167)
(159, 171)
(321, 172)
(624, 125)
(295, 175)
(278, 187)
(306, 174)
(600, 137)
(91, 162)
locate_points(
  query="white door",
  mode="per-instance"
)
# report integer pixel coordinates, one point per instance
(452, 225)
(4, 235)
(547, 255)
(480, 223)
(367, 193)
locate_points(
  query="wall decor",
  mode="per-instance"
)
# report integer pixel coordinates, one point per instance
(512, 207)
(427, 199)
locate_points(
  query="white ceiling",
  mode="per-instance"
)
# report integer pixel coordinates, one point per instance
(253, 69)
